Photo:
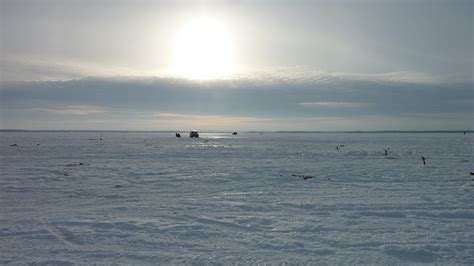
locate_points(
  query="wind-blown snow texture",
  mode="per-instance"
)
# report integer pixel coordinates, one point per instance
(152, 198)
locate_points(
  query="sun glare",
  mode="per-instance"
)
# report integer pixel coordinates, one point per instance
(203, 49)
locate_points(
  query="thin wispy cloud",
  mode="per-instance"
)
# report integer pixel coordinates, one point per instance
(333, 104)
(72, 110)
(305, 74)
(217, 118)
(39, 67)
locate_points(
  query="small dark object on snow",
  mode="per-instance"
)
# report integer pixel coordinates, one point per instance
(14, 145)
(337, 148)
(472, 173)
(37, 144)
(386, 152)
(303, 176)
(423, 159)
(178, 135)
(234, 133)
(74, 164)
(66, 174)
(118, 186)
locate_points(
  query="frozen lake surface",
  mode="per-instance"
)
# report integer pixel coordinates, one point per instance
(150, 198)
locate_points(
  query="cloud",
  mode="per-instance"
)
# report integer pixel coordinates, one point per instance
(333, 104)
(41, 67)
(324, 102)
(192, 121)
(176, 116)
(38, 67)
(308, 75)
(73, 110)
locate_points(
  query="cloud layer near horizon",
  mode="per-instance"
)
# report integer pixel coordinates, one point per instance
(289, 100)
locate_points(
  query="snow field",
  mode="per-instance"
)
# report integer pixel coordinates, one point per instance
(150, 198)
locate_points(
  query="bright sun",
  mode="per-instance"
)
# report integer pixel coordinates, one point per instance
(203, 49)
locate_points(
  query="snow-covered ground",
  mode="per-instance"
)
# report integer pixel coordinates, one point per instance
(150, 198)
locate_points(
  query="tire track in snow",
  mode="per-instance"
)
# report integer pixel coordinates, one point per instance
(65, 236)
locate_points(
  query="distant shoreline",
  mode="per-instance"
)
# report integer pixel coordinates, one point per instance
(212, 131)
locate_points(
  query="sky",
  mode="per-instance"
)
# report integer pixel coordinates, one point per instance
(237, 65)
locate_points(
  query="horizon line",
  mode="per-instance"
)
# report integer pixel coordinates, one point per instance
(245, 131)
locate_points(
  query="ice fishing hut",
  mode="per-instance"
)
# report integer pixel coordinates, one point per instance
(193, 134)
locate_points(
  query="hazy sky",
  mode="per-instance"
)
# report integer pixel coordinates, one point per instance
(290, 65)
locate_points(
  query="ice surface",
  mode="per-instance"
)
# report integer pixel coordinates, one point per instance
(151, 198)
